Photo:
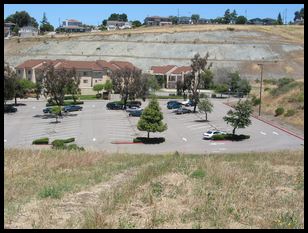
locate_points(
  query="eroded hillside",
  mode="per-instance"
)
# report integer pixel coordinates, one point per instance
(237, 47)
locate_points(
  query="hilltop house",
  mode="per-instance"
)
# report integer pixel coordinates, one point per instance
(71, 25)
(90, 72)
(8, 28)
(113, 25)
(157, 21)
(28, 31)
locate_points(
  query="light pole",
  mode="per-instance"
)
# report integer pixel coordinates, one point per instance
(261, 65)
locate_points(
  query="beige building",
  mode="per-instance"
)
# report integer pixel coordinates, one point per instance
(90, 72)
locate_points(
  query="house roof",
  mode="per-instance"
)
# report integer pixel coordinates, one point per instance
(182, 69)
(86, 65)
(162, 69)
(30, 63)
(123, 64)
(105, 64)
(73, 20)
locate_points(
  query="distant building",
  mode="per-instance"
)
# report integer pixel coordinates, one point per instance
(8, 29)
(157, 21)
(269, 21)
(203, 21)
(28, 31)
(114, 25)
(299, 21)
(71, 25)
(255, 21)
(184, 20)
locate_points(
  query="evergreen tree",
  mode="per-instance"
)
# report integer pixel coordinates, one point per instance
(45, 25)
(279, 19)
(151, 119)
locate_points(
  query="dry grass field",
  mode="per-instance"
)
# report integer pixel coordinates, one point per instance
(61, 189)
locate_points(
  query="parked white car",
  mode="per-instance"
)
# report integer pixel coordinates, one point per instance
(209, 134)
(132, 109)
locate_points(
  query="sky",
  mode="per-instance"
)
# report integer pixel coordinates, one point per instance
(94, 14)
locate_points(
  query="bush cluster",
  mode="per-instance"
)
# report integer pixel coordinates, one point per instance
(60, 144)
(289, 113)
(279, 111)
(66, 103)
(41, 141)
(230, 137)
(146, 140)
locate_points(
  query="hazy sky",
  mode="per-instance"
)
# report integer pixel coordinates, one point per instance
(94, 14)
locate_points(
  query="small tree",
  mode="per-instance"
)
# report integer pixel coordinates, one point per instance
(98, 87)
(221, 88)
(241, 20)
(56, 110)
(207, 79)
(73, 86)
(195, 18)
(279, 19)
(240, 117)
(22, 87)
(136, 23)
(9, 83)
(205, 106)
(152, 82)
(151, 119)
(108, 86)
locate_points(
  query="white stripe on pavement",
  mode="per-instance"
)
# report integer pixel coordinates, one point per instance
(262, 133)
(275, 133)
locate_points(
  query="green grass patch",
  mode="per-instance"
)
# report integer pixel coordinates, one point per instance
(279, 111)
(290, 112)
(166, 97)
(66, 103)
(199, 174)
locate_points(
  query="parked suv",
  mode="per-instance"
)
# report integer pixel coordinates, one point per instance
(114, 106)
(71, 108)
(173, 105)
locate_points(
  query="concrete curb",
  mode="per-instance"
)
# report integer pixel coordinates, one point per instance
(278, 127)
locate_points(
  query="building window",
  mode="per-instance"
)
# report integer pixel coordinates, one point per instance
(85, 81)
(95, 81)
(19, 71)
(29, 71)
(172, 78)
(85, 73)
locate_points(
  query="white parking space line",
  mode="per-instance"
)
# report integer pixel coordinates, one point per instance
(202, 127)
(184, 139)
(262, 133)
(94, 139)
(5, 140)
(190, 126)
(216, 143)
(275, 133)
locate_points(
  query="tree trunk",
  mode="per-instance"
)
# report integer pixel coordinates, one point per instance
(195, 106)
(206, 116)
(148, 134)
(233, 132)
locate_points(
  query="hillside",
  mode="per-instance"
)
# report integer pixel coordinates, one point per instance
(67, 189)
(236, 47)
(290, 97)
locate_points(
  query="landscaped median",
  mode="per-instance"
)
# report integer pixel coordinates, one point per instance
(59, 144)
(142, 140)
(230, 137)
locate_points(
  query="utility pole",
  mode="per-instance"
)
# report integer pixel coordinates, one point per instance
(261, 65)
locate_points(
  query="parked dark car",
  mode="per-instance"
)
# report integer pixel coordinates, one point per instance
(174, 105)
(182, 111)
(9, 108)
(47, 110)
(114, 106)
(136, 113)
(71, 108)
(134, 103)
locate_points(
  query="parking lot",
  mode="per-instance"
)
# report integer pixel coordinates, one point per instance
(95, 128)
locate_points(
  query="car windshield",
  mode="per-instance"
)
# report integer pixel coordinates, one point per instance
(209, 132)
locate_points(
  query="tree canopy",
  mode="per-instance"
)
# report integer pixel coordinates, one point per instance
(240, 117)
(22, 18)
(205, 106)
(45, 25)
(118, 17)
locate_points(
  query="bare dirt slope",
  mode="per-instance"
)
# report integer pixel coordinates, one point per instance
(240, 47)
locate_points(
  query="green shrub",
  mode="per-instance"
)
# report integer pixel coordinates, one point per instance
(289, 113)
(270, 81)
(284, 81)
(213, 95)
(98, 96)
(267, 89)
(58, 144)
(74, 147)
(49, 192)
(66, 103)
(149, 140)
(279, 111)
(230, 137)
(230, 29)
(300, 97)
(68, 140)
(218, 137)
(41, 141)
(284, 89)
(255, 101)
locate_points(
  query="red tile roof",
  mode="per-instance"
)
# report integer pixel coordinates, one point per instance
(29, 64)
(182, 69)
(123, 64)
(105, 64)
(86, 65)
(162, 69)
(72, 20)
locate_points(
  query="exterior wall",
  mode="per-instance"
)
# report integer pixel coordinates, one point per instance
(85, 82)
